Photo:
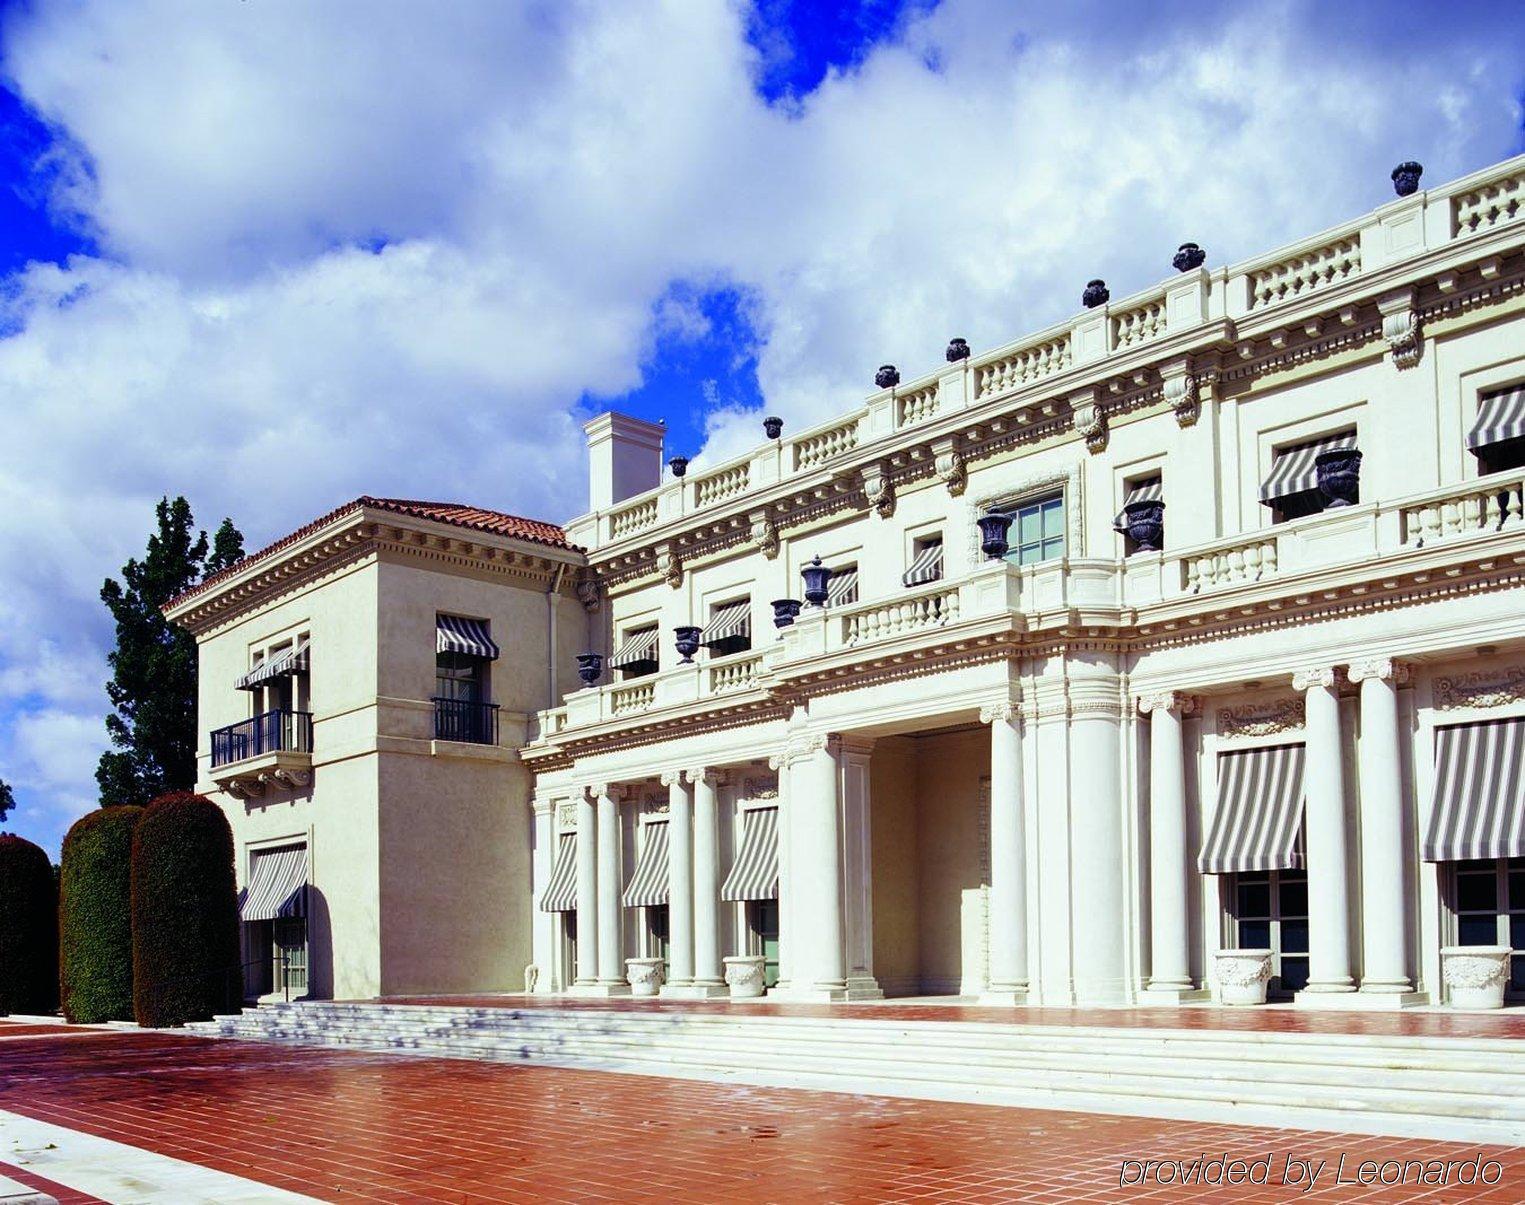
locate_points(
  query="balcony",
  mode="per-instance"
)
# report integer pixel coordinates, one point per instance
(271, 749)
(465, 721)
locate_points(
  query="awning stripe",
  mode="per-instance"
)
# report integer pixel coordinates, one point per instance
(1293, 470)
(468, 637)
(1500, 416)
(926, 567)
(843, 587)
(1477, 808)
(292, 661)
(1259, 821)
(648, 885)
(754, 873)
(640, 648)
(561, 892)
(1151, 489)
(277, 885)
(732, 620)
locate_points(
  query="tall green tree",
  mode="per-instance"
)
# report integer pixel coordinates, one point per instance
(153, 667)
(7, 799)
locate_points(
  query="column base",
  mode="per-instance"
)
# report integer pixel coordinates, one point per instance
(692, 991)
(863, 987)
(1391, 996)
(599, 990)
(810, 993)
(1354, 1001)
(1000, 995)
(1171, 994)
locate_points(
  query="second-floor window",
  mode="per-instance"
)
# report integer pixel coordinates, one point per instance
(1497, 437)
(1037, 529)
(1296, 486)
(637, 653)
(1141, 522)
(463, 651)
(729, 629)
(926, 561)
(277, 678)
(842, 590)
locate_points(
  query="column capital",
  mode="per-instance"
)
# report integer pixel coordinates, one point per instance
(1382, 669)
(671, 778)
(605, 790)
(1307, 679)
(1169, 700)
(708, 774)
(990, 713)
(803, 745)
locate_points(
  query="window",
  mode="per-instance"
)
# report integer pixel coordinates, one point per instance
(1490, 911)
(762, 936)
(1269, 911)
(1295, 488)
(460, 678)
(842, 590)
(729, 629)
(1037, 530)
(636, 656)
(1497, 437)
(926, 561)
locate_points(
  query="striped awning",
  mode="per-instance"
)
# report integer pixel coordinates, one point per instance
(561, 892)
(1477, 809)
(1150, 490)
(1293, 470)
(927, 566)
(468, 637)
(277, 885)
(1259, 822)
(293, 661)
(727, 622)
(648, 885)
(640, 648)
(1500, 416)
(754, 873)
(843, 587)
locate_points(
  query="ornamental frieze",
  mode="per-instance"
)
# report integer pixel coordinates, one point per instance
(1262, 719)
(1481, 688)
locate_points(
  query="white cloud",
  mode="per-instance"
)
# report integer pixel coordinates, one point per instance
(554, 184)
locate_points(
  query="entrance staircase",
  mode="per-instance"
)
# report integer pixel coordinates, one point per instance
(1462, 1089)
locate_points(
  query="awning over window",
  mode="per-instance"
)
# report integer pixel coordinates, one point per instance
(561, 892)
(1500, 416)
(843, 587)
(1144, 491)
(293, 661)
(927, 566)
(465, 636)
(648, 885)
(1293, 470)
(754, 873)
(732, 620)
(1477, 809)
(277, 885)
(1259, 822)
(640, 648)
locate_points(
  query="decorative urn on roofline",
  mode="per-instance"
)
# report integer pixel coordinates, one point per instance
(887, 377)
(1095, 294)
(773, 426)
(958, 349)
(1406, 178)
(678, 465)
(1189, 256)
(1339, 475)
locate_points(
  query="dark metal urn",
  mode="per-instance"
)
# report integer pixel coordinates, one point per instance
(1339, 475)
(590, 667)
(958, 349)
(816, 576)
(773, 427)
(1406, 178)
(994, 527)
(1096, 294)
(686, 640)
(1145, 524)
(887, 377)
(1189, 256)
(678, 465)
(785, 611)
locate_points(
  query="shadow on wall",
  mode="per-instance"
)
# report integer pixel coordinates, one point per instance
(320, 947)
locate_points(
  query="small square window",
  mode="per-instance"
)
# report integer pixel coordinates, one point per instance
(1038, 530)
(926, 561)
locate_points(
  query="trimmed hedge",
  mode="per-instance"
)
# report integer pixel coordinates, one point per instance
(95, 917)
(185, 953)
(28, 928)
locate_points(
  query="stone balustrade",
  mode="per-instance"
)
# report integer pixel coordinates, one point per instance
(734, 673)
(819, 447)
(631, 519)
(1242, 561)
(927, 608)
(1490, 204)
(1480, 507)
(625, 700)
(1008, 371)
(1139, 324)
(1305, 272)
(722, 484)
(917, 406)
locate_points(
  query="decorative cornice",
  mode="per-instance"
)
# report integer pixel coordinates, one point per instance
(1480, 688)
(1262, 718)
(1383, 669)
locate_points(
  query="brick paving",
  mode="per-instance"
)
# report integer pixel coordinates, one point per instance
(1506, 1023)
(59, 1192)
(349, 1126)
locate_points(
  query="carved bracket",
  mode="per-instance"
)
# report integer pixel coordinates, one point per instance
(1401, 327)
(669, 566)
(950, 466)
(879, 489)
(764, 535)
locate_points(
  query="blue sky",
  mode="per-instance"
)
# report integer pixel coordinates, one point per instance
(252, 257)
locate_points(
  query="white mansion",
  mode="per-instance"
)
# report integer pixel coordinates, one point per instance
(1191, 625)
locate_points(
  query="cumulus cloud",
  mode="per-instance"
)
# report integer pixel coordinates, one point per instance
(345, 249)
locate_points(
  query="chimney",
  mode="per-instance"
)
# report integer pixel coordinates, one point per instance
(624, 458)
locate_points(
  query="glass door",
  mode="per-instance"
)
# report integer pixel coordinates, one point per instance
(1490, 911)
(568, 949)
(657, 944)
(1270, 912)
(290, 957)
(762, 926)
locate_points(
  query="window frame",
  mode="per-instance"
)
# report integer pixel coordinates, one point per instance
(1506, 906)
(1037, 500)
(1274, 919)
(733, 645)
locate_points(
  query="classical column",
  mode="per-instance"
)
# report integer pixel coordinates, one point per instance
(680, 881)
(779, 764)
(587, 891)
(611, 966)
(1384, 920)
(1098, 863)
(819, 967)
(706, 879)
(1170, 966)
(1008, 857)
(542, 932)
(1324, 836)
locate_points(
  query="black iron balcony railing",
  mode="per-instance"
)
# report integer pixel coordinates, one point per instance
(465, 720)
(270, 732)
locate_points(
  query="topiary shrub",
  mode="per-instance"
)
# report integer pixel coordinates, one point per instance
(184, 913)
(95, 917)
(28, 928)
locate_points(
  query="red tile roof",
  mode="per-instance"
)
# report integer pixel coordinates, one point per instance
(454, 513)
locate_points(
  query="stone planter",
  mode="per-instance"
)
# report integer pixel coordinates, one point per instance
(995, 528)
(744, 975)
(645, 975)
(1242, 975)
(590, 667)
(686, 641)
(816, 577)
(1145, 523)
(1475, 975)
(1339, 475)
